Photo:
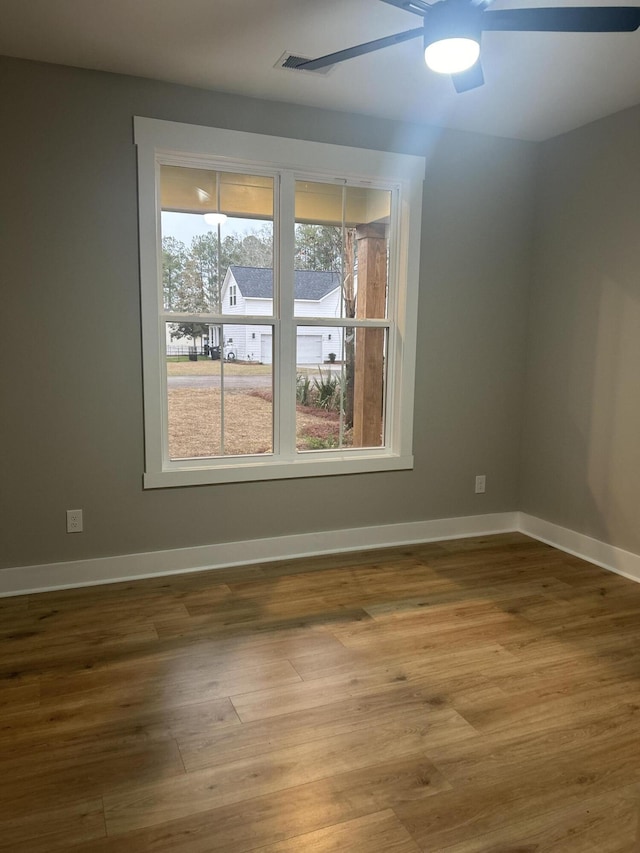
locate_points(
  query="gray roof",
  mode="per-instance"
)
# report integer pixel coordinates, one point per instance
(257, 282)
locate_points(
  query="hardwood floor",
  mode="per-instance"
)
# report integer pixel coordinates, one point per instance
(467, 696)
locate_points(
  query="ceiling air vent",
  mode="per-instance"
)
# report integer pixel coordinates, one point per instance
(292, 60)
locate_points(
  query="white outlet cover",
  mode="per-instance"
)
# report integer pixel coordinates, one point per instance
(74, 521)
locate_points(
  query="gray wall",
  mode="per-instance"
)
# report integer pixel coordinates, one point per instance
(71, 419)
(581, 439)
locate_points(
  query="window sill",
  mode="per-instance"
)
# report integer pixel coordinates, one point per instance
(275, 470)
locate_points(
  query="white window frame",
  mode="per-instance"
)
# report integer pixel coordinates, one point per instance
(288, 160)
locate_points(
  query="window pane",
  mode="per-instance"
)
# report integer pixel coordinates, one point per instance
(198, 250)
(340, 394)
(341, 250)
(220, 397)
(320, 423)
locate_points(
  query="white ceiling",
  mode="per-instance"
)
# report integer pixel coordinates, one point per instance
(537, 85)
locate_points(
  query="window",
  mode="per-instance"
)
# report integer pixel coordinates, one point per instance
(279, 300)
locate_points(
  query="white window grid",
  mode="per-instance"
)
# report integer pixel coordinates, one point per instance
(285, 461)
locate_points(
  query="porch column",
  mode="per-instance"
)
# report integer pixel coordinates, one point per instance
(369, 361)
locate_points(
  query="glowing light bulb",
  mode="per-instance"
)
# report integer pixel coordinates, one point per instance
(215, 218)
(451, 55)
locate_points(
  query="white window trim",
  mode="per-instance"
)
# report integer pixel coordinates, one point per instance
(161, 140)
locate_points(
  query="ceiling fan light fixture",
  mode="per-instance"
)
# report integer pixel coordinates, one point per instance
(452, 55)
(215, 218)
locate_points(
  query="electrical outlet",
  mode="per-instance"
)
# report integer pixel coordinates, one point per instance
(481, 484)
(74, 521)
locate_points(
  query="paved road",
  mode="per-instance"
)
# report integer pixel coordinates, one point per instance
(260, 381)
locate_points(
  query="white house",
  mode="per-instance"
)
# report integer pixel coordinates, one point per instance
(249, 291)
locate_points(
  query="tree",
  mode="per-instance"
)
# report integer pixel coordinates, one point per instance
(174, 259)
(189, 298)
(177, 287)
(318, 247)
(188, 280)
(256, 249)
(192, 279)
(202, 271)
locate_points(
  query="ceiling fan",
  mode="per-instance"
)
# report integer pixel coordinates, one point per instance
(452, 29)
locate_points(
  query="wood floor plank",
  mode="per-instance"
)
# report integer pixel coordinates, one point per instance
(226, 637)
(136, 806)
(169, 685)
(512, 540)
(444, 687)
(54, 829)
(31, 654)
(112, 725)
(571, 671)
(21, 696)
(285, 814)
(376, 833)
(435, 654)
(534, 711)
(205, 749)
(503, 627)
(250, 621)
(510, 600)
(10, 604)
(464, 762)
(68, 778)
(504, 794)
(605, 824)
(348, 559)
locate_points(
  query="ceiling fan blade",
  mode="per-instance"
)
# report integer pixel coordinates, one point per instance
(418, 7)
(360, 49)
(469, 79)
(570, 19)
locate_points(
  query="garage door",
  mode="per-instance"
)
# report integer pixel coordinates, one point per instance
(266, 349)
(309, 349)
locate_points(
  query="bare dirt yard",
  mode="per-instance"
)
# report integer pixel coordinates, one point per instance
(194, 424)
(207, 367)
(195, 414)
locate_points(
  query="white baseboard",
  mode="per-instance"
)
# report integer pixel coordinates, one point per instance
(43, 578)
(23, 580)
(617, 560)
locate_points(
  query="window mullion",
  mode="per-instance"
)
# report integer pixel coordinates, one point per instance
(285, 326)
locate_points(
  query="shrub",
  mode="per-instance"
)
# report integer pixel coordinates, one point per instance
(327, 390)
(313, 443)
(303, 390)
